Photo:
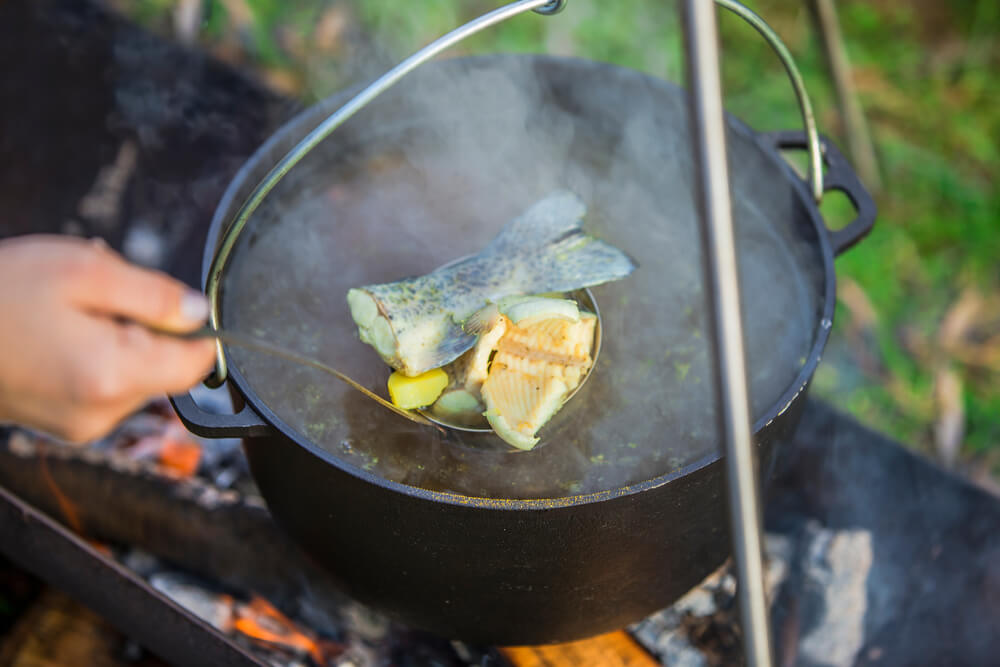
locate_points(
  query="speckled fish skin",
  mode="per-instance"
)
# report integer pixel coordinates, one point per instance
(418, 325)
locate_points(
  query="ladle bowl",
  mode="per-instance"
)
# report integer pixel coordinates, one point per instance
(585, 299)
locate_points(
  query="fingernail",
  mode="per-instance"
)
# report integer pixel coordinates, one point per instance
(194, 306)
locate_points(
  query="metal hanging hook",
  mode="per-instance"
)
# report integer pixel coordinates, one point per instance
(553, 7)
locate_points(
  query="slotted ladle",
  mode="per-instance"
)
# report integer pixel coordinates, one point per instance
(425, 417)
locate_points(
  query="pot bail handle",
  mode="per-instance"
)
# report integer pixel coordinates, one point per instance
(805, 106)
(839, 176)
(244, 424)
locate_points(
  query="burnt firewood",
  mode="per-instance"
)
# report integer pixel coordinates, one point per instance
(224, 535)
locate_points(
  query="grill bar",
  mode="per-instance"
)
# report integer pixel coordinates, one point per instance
(40, 545)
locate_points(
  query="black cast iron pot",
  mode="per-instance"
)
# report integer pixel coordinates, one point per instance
(621, 509)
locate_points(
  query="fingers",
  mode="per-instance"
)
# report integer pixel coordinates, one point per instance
(136, 367)
(126, 365)
(147, 364)
(176, 366)
(105, 284)
(151, 365)
(67, 364)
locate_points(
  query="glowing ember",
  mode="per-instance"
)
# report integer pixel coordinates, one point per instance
(66, 506)
(261, 622)
(179, 456)
(162, 439)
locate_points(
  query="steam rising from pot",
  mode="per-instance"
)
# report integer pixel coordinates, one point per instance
(429, 173)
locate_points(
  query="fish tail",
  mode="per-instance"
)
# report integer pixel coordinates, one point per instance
(548, 243)
(548, 220)
(577, 261)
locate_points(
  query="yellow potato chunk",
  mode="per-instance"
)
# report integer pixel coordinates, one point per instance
(419, 391)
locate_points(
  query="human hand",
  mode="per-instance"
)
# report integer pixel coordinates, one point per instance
(70, 363)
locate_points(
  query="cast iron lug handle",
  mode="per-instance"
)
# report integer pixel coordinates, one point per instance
(839, 176)
(244, 424)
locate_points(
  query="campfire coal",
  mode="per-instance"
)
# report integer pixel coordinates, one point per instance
(211, 550)
(215, 552)
(257, 622)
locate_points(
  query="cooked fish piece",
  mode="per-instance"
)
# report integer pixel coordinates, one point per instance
(536, 367)
(477, 369)
(417, 324)
(517, 405)
(556, 340)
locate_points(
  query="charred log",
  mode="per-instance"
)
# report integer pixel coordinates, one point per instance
(226, 536)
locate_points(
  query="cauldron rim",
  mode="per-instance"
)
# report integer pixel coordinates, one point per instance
(801, 382)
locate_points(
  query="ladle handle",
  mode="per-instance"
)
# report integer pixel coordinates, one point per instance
(244, 424)
(839, 176)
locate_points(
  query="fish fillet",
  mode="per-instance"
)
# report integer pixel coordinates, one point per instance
(534, 370)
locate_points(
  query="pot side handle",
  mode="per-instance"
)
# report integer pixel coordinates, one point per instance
(244, 424)
(839, 176)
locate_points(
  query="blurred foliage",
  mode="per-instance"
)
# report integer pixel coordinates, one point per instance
(925, 73)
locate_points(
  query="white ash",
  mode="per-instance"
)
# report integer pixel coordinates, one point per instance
(141, 562)
(675, 650)
(355, 657)
(838, 564)
(663, 633)
(365, 623)
(21, 445)
(779, 551)
(203, 603)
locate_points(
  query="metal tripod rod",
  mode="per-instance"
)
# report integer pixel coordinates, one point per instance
(724, 319)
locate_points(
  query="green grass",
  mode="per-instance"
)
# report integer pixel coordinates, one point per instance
(926, 75)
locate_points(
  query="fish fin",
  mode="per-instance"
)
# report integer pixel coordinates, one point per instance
(549, 242)
(452, 343)
(578, 261)
(547, 220)
(453, 347)
(482, 320)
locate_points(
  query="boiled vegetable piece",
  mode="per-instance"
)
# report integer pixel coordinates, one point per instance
(459, 406)
(522, 310)
(416, 392)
